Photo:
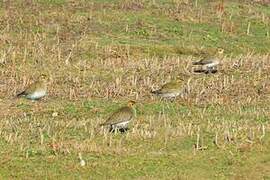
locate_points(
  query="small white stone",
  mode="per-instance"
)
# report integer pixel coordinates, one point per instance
(82, 162)
(54, 114)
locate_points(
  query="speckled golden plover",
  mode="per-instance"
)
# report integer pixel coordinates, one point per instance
(35, 90)
(120, 119)
(171, 89)
(209, 64)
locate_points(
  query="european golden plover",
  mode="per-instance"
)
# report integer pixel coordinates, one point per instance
(120, 119)
(209, 64)
(35, 90)
(171, 89)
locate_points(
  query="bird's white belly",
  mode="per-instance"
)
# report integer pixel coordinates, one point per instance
(121, 125)
(36, 95)
(170, 95)
(211, 65)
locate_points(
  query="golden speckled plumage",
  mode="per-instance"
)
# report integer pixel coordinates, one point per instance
(35, 90)
(121, 117)
(171, 89)
(209, 64)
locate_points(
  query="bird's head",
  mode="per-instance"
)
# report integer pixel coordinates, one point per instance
(131, 103)
(220, 51)
(44, 78)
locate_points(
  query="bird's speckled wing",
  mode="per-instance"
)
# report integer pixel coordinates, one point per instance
(205, 61)
(122, 115)
(36, 86)
(31, 88)
(170, 87)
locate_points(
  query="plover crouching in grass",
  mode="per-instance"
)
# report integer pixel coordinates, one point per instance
(120, 119)
(208, 64)
(35, 90)
(172, 89)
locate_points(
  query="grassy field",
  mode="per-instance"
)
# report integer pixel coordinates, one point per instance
(101, 53)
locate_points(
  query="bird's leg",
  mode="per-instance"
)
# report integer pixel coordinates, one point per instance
(112, 129)
(115, 130)
(214, 70)
(123, 130)
(207, 71)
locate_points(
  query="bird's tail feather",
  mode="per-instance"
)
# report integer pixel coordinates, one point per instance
(20, 94)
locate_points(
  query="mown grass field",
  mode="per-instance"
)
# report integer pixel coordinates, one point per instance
(101, 53)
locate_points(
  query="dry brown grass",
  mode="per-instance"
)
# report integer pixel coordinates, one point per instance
(240, 79)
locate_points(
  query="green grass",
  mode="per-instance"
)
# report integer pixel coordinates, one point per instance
(100, 54)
